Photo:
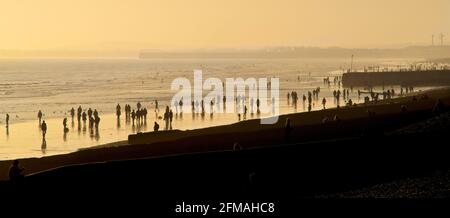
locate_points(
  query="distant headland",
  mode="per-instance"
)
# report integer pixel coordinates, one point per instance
(422, 52)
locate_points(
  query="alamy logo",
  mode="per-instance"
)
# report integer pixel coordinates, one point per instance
(235, 95)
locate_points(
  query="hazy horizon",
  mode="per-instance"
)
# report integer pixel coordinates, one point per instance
(113, 25)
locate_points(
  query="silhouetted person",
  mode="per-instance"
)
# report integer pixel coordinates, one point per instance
(224, 99)
(126, 111)
(65, 125)
(138, 105)
(89, 112)
(91, 122)
(39, 115)
(156, 127)
(245, 112)
(79, 111)
(95, 113)
(211, 107)
(44, 128)
(350, 102)
(166, 118)
(15, 171)
(257, 105)
(288, 98)
(287, 130)
(72, 113)
(97, 121)
(133, 116)
(7, 120)
(144, 112)
(181, 105)
(170, 119)
(84, 117)
(118, 111)
(203, 107)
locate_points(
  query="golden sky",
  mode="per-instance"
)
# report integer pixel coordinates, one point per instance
(131, 24)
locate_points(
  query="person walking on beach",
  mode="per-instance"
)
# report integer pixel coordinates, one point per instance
(144, 113)
(203, 107)
(166, 118)
(133, 116)
(138, 105)
(309, 98)
(79, 111)
(181, 105)
(72, 113)
(7, 120)
(224, 99)
(170, 119)
(211, 107)
(294, 97)
(44, 129)
(288, 98)
(138, 116)
(324, 102)
(15, 171)
(118, 111)
(91, 122)
(65, 125)
(245, 112)
(97, 122)
(84, 117)
(257, 106)
(39, 115)
(95, 113)
(89, 112)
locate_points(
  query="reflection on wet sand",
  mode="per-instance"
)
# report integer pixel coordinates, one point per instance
(44, 146)
(7, 132)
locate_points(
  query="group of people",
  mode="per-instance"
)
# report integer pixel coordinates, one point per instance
(91, 116)
(294, 97)
(407, 89)
(337, 80)
(139, 115)
(312, 95)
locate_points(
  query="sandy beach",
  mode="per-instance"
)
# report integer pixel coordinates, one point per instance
(307, 127)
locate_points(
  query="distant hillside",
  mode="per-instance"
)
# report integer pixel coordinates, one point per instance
(426, 52)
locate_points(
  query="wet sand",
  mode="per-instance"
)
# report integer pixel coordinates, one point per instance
(307, 127)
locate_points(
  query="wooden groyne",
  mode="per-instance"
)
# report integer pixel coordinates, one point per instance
(405, 78)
